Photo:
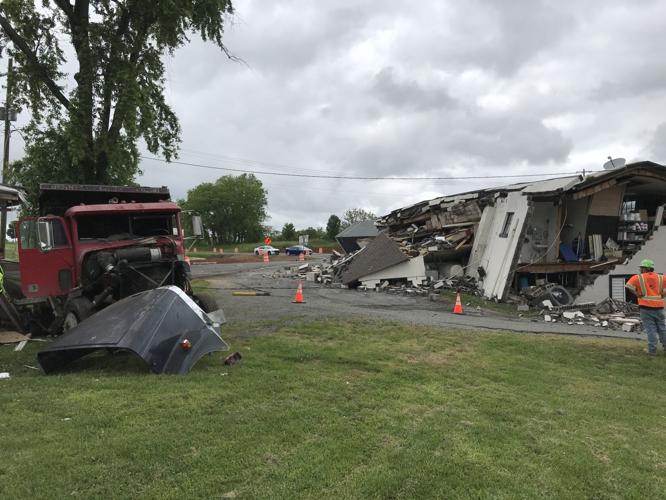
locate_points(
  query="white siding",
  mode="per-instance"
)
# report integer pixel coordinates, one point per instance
(654, 249)
(496, 253)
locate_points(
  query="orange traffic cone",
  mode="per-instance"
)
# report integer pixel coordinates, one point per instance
(457, 309)
(298, 298)
(301, 256)
(266, 259)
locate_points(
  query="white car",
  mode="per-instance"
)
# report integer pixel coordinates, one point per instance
(266, 249)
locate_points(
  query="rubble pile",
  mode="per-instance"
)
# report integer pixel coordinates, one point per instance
(610, 313)
(442, 226)
(463, 284)
(316, 273)
(330, 274)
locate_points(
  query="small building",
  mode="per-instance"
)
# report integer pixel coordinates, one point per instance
(357, 235)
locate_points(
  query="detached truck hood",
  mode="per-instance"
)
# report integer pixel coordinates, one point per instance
(163, 326)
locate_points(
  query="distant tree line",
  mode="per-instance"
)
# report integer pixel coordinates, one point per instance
(333, 226)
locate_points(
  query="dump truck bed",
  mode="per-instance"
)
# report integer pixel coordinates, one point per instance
(55, 199)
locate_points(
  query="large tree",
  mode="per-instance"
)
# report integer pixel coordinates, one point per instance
(288, 231)
(354, 215)
(232, 209)
(86, 129)
(333, 226)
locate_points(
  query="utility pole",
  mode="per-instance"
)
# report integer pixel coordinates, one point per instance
(5, 156)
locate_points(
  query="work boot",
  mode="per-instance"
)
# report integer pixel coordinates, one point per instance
(649, 352)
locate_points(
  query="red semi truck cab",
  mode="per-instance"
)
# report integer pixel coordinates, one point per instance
(48, 271)
(93, 245)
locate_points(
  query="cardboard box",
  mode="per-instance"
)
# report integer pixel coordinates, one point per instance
(643, 215)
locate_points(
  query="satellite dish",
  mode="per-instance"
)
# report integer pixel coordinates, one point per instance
(614, 163)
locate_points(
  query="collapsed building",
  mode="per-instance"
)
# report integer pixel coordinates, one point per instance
(585, 233)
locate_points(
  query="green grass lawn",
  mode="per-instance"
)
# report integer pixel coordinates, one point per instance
(344, 409)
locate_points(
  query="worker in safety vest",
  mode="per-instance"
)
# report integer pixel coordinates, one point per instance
(648, 286)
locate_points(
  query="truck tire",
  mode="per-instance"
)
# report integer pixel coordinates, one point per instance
(206, 302)
(76, 311)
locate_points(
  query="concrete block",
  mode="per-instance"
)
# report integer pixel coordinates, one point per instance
(523, 307)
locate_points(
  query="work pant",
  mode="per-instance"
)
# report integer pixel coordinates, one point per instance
(655, 327)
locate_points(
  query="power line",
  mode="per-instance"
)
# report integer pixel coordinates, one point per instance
(358, 178)
(248, 162)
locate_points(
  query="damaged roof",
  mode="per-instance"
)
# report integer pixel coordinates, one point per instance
(11, 196)
(362, 229)
(381, 253)
(545, 187)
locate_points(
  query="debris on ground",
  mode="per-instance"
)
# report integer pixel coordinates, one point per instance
(610, 313)
(12, 337)
(232, 359)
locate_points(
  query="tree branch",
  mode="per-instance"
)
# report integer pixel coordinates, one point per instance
(119, 111)
(33, 61)
(66, 7)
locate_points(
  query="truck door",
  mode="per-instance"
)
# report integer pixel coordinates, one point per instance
(46, 260)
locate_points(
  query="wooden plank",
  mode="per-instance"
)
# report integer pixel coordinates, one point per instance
(594, 189)
(9, 337)
(558, 267)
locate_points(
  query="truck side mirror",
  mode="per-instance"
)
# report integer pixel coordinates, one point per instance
(45, 234)
(197, 226)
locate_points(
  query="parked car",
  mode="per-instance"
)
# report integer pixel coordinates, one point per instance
(266, 249)
(297, 250)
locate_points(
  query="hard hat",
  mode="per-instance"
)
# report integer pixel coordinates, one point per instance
(647, 263)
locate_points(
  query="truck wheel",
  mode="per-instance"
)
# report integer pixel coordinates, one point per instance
(76, 311)
(206, 302)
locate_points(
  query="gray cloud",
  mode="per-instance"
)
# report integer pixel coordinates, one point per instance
(657, 146)
(424, 89)
(408, 93)
(429, 88)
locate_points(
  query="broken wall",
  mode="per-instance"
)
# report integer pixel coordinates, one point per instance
(496, 252)
(481, 238)
(576, 212)
(652, 249)
(604, 212)
(540, 233)
(412, 270)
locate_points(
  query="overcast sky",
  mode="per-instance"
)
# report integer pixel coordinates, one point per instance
(428, 88)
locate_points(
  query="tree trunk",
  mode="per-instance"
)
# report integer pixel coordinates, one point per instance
(83, 104)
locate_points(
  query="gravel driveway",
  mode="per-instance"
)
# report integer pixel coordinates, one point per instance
(336, 302)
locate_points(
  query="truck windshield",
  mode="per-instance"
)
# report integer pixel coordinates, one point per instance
(113, 227)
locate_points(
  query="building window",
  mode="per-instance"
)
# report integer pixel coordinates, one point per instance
(507, 225)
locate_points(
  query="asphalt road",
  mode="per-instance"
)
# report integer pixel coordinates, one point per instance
(324, 301)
